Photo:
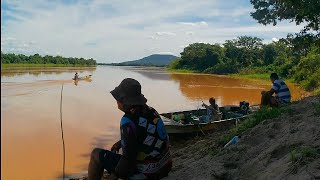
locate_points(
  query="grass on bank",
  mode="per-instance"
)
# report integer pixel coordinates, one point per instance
(259, 116)
(303, 153)
(317, 108)
(301, 156)
(43, 65)
(252, 76)
(187, 71)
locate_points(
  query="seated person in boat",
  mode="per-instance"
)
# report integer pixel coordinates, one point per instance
(213, 112)
(281, 90)
(76, 76)
(144, 140)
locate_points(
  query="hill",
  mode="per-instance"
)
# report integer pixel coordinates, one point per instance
(152, 60)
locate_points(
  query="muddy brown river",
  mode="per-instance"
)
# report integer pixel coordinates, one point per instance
(31, 146)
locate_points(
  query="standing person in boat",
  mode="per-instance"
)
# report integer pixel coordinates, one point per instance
(76, 76)
(144, 140)
(213, 112)
(279, 87)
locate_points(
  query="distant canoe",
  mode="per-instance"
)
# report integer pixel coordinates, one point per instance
(188, 121)
(83, 78)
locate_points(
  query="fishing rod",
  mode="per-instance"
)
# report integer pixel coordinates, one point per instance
(198, 94)
(64, 150)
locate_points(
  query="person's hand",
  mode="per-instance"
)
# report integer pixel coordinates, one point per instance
(116, 147)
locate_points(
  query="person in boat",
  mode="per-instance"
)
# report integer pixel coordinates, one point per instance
(76, 76)
(144, 140)
(279, 87)
(213, 112)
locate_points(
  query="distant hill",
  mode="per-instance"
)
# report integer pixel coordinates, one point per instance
(152, 60)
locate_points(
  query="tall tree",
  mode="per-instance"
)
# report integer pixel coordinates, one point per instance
(300, 11)
(249, 42)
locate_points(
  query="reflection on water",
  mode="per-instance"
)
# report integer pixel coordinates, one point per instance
(76, 82)
(43, 71)
(30, 119)
(225, 89)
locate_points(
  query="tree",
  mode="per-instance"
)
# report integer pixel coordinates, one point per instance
(200, 56)
(308, 70)
(249, 42)
(300, 11)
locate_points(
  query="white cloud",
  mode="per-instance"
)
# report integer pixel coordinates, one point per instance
(166, 53)
(195, 24)
(190, 33)
(275, 39)
(165, 34)
(122, 30)
(152, 37)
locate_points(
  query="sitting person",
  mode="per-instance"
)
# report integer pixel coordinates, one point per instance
(213, 112)
(76, 76)
(281, 90)
(144, 140)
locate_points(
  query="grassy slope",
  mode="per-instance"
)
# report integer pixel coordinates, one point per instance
(276, 144)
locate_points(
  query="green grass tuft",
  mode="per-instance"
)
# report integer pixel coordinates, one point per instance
(304, 153)
(255, 119)
(317, 108)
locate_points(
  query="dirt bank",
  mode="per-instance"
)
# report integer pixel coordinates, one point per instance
(287, 147)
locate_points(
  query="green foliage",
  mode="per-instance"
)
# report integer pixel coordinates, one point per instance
(253, 76)
(47, 60)
(301, 156)
(175, 64)
(304, 153)
(247, 57)
(226, 67)
(248, 42)
(38, 65)
(237, 53)
(307, 72)
(270, 11)
(259, 116)
(317, 108)
(255, 70)
(200, 56)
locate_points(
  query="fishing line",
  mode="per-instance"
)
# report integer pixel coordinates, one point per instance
(64, 150)
(198, 94)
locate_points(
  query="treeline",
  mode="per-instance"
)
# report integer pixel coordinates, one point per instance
(248, 55)
(37, 59)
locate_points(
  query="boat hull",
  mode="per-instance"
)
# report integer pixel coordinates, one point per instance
(231, 116)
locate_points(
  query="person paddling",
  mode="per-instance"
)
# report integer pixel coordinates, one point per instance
(76, 76)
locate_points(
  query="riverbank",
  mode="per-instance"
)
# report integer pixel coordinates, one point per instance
(283, 147)
(38, 70)
(279, 143)
(14, 66)
(251, 76)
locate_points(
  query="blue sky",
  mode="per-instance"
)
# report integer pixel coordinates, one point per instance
(115, 31)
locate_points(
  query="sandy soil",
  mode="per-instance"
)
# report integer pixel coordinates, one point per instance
(264, 151)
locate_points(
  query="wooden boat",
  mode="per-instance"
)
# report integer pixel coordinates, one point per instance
(83, 78)
(189, 121)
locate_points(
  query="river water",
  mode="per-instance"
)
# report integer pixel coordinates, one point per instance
(31, 146)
